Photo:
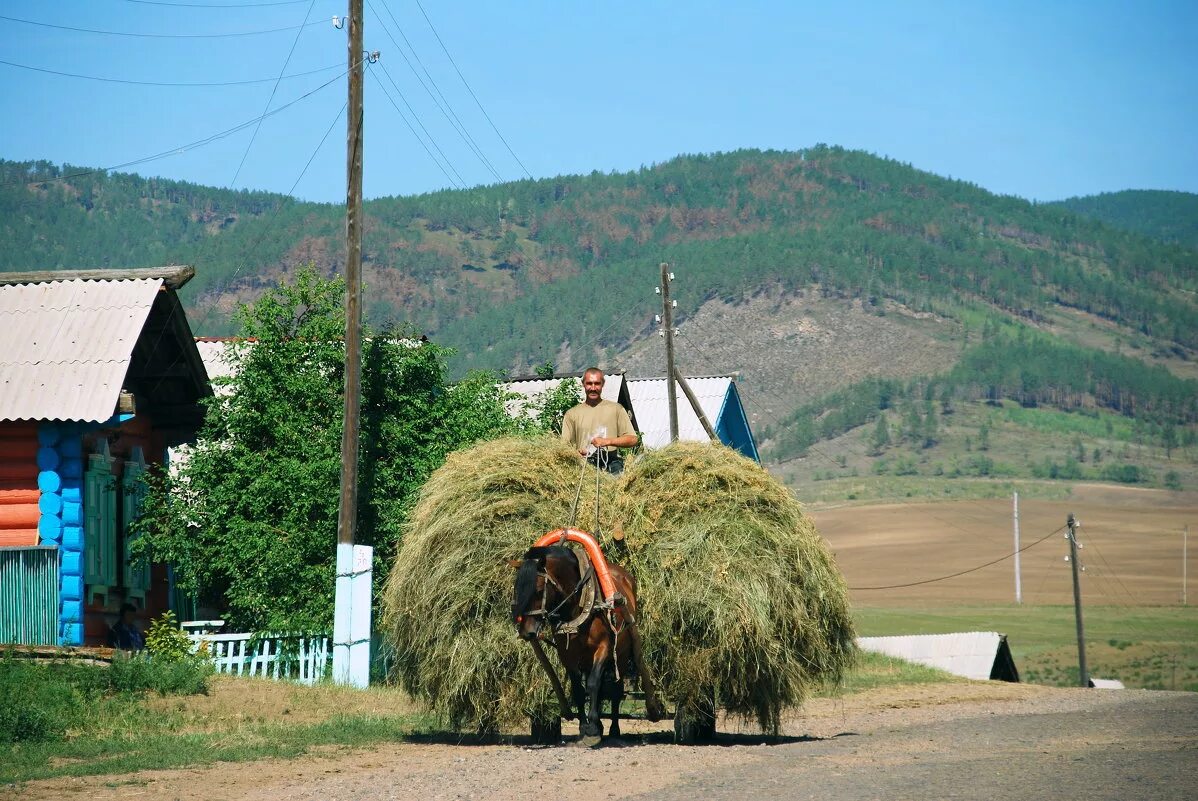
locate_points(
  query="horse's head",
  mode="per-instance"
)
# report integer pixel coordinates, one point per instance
(545, 579)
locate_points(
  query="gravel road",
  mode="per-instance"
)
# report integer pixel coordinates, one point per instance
(935, 742)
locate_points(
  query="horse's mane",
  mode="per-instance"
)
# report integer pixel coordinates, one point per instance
(526, 576)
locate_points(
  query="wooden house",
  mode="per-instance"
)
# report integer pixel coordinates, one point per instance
(99, 375)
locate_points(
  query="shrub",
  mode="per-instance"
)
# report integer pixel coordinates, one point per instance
(139, 673)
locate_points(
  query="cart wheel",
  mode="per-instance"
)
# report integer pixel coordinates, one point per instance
(547, 731)
(695, 726)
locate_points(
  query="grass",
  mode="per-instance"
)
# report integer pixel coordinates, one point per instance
(241, 719)
(984, 451)
(878, 670)
(1144, 647)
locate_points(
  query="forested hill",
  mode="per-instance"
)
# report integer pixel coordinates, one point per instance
(509, 273)
(1163, 215)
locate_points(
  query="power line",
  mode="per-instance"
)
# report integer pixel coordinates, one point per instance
(471, 91)
(254, 247)
(218, 5)
(169, 83)
(157, 35)
(183, 148)
(960, 572)
(273, 90)
(459, 183)
(453, 120)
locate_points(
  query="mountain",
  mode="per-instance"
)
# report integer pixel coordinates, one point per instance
(847, 289)
(1166, 216)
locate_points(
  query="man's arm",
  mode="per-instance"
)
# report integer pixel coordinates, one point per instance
(623, 441)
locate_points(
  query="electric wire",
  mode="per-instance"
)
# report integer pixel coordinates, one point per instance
(959, 572)
(177, 84)
(461, 131)
(189, 146)
(158, 35)
(218, 5)
(274, 89)
(458, 183)
(461, 181)
(471, 91)
(253, 249)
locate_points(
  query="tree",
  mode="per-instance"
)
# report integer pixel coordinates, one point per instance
(881, 437)
(249, 520)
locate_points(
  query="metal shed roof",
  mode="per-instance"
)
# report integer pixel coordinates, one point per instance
(532, 388)
(65, 346)
(650, 399)
(972, 654)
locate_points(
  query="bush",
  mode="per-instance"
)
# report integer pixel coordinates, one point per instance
(141, 673)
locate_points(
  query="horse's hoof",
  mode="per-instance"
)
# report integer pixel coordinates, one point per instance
(590, 740)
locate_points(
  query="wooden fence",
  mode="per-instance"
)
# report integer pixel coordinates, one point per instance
(300, 658)
(29, 595)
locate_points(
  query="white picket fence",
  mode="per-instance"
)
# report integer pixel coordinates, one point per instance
(299, 658)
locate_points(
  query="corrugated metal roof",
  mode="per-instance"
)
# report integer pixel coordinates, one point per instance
(215, 355)
(971, 654)
(650, 399)
(532, 388)
(65, 346)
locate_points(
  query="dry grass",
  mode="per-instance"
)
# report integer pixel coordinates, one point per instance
(738, 593)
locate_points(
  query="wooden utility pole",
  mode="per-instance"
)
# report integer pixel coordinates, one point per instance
(1018, 587)
(690, 396)
(1083, 674)
(667, 320)
(348, 509)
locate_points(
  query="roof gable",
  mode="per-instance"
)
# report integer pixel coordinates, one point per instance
(68, 348)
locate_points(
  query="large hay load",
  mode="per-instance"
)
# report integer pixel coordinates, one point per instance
(738, 594)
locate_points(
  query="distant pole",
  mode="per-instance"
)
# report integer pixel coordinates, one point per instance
(1083, 674)
(667, 319)
(1018, 588)
(1185, 537)
(348, 508)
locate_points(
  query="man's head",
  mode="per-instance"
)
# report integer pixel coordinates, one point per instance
(592, 384)
(128, 613)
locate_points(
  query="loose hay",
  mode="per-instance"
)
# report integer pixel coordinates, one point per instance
(738, 594)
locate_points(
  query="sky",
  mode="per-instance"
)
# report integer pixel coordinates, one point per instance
(1042, 100)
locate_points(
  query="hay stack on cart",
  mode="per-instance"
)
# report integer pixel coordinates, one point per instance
(740, 599)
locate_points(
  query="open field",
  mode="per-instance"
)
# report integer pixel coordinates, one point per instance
(1136, 627)
(1131, 537)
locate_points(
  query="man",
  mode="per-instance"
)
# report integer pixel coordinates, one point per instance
(597, 427)
(124, 634)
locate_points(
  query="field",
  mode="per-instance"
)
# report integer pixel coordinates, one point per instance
(1137, 629)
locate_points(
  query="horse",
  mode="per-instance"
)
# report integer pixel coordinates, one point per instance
(606, 647)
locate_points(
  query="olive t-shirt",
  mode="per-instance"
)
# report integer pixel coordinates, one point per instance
(583, 422)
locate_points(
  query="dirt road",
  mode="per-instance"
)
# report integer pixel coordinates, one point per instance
(926, 742)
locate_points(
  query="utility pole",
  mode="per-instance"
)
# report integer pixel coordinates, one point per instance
(347, 512)
(667, 319)
(1185, 537)
(1018, 588)
(1083, 674)
(351, 612)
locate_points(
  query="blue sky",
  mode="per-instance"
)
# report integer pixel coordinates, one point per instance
(1043, 100)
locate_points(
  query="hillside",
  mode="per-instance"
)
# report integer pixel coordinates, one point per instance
(1167, 216)
(815, 274)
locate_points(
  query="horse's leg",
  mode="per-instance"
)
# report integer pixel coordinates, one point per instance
(578, 693)
(592, 727)
(617, 695)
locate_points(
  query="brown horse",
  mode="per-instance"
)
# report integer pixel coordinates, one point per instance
(549, 595)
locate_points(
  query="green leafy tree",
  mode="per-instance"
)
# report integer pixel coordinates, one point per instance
(881, 437)
(249, 520)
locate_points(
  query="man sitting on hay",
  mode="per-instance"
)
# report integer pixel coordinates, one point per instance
(586, 426)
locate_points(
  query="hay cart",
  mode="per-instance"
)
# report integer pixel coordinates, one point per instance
(598, 596)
